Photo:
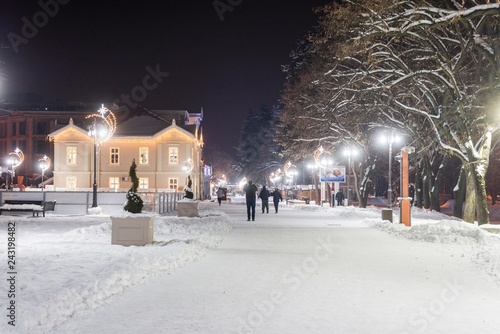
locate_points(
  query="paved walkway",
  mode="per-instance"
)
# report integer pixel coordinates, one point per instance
(290, 273)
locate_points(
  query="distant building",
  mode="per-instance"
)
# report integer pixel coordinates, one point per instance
(163, 142)
(26, 127)
(166, 145)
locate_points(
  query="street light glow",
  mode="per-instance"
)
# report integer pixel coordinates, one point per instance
(390, 138)
(100, 133)
(44, 165)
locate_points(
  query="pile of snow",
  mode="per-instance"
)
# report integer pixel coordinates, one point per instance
(69, 265)
(433, 227)
(443, 231)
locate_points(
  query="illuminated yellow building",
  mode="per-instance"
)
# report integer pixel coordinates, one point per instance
(166, 146)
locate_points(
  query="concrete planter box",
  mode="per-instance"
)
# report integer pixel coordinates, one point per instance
(132, 231)
(387, 214)
(187, 209)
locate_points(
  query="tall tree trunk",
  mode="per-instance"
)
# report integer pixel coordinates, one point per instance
(476, 201)
(459, 195)
(438, 181)
(426, 186)
(317, 188)
(470, 194)
(356, 188)
(365, 188)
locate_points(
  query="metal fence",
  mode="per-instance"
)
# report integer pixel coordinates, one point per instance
(167, 202)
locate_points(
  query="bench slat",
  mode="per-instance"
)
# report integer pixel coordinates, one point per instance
(30, 206)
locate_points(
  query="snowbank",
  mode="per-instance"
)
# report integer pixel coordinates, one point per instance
(63, 271)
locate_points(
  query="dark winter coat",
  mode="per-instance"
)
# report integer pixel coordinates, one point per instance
(264, 194)
(250, 190)
(277, 196)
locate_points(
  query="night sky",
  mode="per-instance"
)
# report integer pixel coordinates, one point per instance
(97, 51)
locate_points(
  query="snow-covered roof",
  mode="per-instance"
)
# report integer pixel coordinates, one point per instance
(147, 125)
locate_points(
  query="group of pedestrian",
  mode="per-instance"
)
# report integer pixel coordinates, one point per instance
(251, 198)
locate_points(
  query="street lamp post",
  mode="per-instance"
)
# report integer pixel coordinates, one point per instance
(93, 134)
(99, 136)
(44, 165)
(15, 160)
(320, 155)
(11, 163)
(325, 162)
(389, 185)
(391, 138)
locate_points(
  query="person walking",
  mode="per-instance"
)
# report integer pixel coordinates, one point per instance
(220, 192)
(250, 196)
(277, 197)
(264, 196)
(339, 197)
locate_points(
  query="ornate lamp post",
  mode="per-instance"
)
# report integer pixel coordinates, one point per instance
(100, 133)
(390, 138)
(322, 161)
(274, 177)
(44, 165)
(15, 160)
(290, 172)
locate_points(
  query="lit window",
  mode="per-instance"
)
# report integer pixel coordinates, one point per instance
(114, 182)
(143, 183)
(114, 156)
(172, 184)
(71, 182)
(143, 155)
(71, 155)
(173, 155)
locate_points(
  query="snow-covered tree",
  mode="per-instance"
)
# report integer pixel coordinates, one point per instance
(440, 63)
(428, 68)
(222, 163)
(257, 149)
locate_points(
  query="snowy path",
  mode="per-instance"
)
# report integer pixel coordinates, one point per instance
(300, 273)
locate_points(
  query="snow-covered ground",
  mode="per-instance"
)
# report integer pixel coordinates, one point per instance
(306, 269)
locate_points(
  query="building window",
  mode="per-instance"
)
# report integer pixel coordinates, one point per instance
(42, 128)
(143, 155)
(173, 155)
(172, 184)
(71, 155)
(71, 182)
(3, 131)
(22, 128)
(114, 182)
(143, 183)
(22, 145)
(14, 128)
(114, 156)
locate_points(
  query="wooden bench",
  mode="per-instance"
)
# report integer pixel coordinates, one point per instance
(29, 206)
(295, 202)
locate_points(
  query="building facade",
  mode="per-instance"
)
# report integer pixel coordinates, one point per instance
(27, 130)
(165, 144)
